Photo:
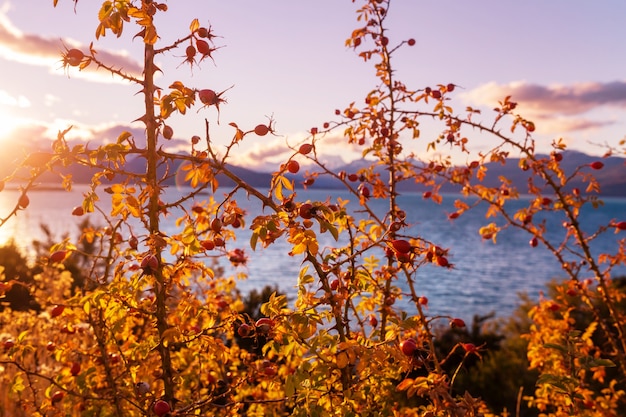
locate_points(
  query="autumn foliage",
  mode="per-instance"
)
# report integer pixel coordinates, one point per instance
(155, 328)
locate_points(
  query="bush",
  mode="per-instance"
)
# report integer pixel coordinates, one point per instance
(154, 326)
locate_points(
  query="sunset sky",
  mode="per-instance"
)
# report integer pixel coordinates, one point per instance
(564, 62)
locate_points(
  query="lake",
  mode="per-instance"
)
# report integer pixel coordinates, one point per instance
(486, 277)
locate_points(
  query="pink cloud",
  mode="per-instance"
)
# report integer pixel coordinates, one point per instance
(38, 50)
(563, 99)
(545, 102)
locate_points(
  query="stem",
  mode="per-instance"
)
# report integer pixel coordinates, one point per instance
(152, 158)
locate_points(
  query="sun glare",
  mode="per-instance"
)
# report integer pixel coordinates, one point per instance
(8, 123)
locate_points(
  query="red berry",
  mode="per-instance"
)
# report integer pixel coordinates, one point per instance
(203, 47)
(216, 225)
(457, 322)
(373, 320)
(306, 211)
(261, 130)
(57, 396)
(264, 324)
(454, 215)
(423, 300)
(168, 132)
(161, 408)
(149, 262)
(8, 344)
(401, 246)
(293, 166)
(114, 358)
(427, 194)
(469, 347)
(75, 368)
(57, 311)
(268, 368)
(73, 57)
(554, 307)
(190, 51)
(436, 94)
(78, 211)
(621, 225)
(450, 87)
(411, 42)
(408, 347)
(395, 226)
(58, 256)
(533, 242)
(207, 244)
(334, 284)
(244, 330)
(305, 148)
(597, 165)
(208, 97)
(23, 201)
(442, 261)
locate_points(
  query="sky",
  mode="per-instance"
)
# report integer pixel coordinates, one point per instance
(563, 61)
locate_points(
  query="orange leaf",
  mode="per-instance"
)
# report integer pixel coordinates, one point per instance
(402, 386)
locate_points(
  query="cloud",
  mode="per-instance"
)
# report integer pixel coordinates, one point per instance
(34, 49)
(569, 124)
(560, 107)
(268, 154)
(9, 100)
(265, 155)
(562, 99)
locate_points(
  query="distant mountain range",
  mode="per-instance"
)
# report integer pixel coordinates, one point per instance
(612, 177)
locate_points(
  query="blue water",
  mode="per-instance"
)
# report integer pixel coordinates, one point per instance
(486, 277)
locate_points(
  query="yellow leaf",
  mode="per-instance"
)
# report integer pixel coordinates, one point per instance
(124, 136)
(278, 191)
(151, 35)
(195, 25)
(589, 332)
(117, 205)
(170, 335)
(18, 384)
(286, 183)
(22, 336)
(133, 206)
(342, 360)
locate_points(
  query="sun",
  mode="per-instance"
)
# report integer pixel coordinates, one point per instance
(8, 123)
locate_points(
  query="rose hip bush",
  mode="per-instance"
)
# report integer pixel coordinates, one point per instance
(156, 329)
